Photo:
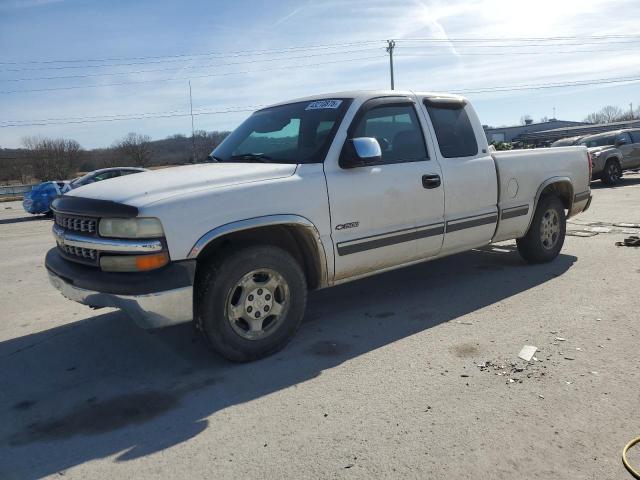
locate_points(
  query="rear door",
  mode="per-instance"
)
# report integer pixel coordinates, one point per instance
(624, 143)
(382, 215)
(471, 186)
(635, 139)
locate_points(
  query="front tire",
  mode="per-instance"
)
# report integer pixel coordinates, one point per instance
(250, 302)
(612, 172)
(545, 237)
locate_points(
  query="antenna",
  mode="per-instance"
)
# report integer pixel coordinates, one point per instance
(193, 133)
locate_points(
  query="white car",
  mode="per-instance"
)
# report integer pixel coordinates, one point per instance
(304, 195)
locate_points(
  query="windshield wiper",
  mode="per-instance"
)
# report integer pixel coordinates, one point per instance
(212, 158)
(252, 157)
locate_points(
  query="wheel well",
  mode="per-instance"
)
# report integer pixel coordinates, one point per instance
(612, 158)
(295, 240)
(563, 190)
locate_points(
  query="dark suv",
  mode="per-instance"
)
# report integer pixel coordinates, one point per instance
(613, 153)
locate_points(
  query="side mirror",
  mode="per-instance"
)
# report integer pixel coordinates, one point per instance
(359, 152)
(620, 142)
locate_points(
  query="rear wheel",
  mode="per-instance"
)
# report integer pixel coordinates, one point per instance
(612, 172)
(545, 237)
(250, 302)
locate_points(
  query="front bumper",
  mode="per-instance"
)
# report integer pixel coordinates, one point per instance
(152, 300)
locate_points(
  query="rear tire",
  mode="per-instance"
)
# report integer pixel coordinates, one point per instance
(612, 172)
(545, 237)
(250, 302)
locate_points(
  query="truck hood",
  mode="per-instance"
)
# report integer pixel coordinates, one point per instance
(145, 188)
(601, 148)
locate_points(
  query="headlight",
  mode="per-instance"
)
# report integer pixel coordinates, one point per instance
(596, 154)
(130, 228)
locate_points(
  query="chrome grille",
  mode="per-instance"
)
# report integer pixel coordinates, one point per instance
(80, 253)
(77, 224)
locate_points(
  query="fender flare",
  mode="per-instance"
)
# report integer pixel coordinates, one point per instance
(268, 221)
(545, 184)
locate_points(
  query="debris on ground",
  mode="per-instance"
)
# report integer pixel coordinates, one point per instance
(527, 352)
(580, 233)
(632, 241)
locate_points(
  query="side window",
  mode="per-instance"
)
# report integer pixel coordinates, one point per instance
(106, 175)
(623, 138)
(453, 128)
(398, 131)
(635, 136)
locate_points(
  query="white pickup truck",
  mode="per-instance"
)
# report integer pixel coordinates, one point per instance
(304, 195)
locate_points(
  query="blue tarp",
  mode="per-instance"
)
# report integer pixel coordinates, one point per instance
(39, 199)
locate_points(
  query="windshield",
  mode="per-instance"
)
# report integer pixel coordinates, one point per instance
(599, 141)
(294, 133)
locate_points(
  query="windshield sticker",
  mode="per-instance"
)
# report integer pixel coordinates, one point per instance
(322, 104)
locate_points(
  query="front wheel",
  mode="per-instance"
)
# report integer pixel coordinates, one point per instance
(545, 237)
(250, 302)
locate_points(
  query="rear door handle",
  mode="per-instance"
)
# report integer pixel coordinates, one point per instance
(431, 181)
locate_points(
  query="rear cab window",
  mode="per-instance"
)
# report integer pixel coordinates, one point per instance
(453, 128)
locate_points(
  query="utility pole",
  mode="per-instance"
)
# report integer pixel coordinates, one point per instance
(391, 44)
(193, 133)
(554, 112)
(631, 108)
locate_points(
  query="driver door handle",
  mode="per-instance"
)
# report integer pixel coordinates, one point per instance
(431, 181)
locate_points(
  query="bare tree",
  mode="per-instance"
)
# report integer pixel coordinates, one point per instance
(206, 142)
(52, 158)
(15, 169)
(607, 114)
(525, 120)
(136, 149)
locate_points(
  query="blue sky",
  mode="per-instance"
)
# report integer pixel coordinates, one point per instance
(236, 67)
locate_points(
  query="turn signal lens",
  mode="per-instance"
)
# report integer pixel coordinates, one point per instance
(134, 263)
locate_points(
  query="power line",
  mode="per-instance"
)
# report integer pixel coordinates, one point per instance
(189, 55)
(137, 82)
(184, 114)
(224, 54)
(204, 111)
(188, 67)
(521, 39)
(486, 54)
(120, 115)
(577, 83)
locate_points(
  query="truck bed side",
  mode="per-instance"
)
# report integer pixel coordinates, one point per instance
(522, 176)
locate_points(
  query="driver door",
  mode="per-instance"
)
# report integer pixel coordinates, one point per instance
(382, 215)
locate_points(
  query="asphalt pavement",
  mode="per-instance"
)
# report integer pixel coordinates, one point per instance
(410, 374)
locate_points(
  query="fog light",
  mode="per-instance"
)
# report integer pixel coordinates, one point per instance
(134, 263)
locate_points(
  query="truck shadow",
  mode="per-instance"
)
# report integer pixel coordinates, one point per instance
(627, 180)
(32, 218)
(100, 386)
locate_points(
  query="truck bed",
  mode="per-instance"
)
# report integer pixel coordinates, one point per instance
(522, 174)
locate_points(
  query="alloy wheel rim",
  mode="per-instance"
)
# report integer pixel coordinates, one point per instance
(613, 172)
(257, 304)
(550, 229)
